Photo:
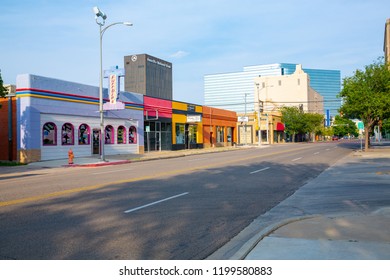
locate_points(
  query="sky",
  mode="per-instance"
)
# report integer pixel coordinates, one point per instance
(60, 39)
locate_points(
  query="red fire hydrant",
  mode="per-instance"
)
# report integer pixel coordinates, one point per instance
(70, 156)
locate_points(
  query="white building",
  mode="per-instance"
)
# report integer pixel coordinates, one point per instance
(287, 90)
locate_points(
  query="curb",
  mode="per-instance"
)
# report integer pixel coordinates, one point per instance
(249, 245)
(98, 164)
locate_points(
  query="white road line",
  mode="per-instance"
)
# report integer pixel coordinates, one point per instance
(327, 150)
(112, 171)
(316, 153)
(197, 159)
(295, 159)
(156, 202)
(256, 171)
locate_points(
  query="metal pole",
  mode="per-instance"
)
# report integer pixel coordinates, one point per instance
(259, 123)
(259, 114)
(10, 131)
(102, 132)
(245, 123)
(267, 126)
(100, 14)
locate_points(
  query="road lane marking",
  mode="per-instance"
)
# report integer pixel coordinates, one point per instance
(316, 153)
(327, 150)
(295, 159)
(154, 203)
(136, 179)
(112, 171)
(197, 159)
(256, 171)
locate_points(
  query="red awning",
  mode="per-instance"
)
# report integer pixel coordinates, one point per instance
(279, 126)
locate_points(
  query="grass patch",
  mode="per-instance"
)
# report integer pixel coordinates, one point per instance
(10, 163)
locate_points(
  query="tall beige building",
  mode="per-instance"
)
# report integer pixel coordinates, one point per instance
(287, 90)
(386, 45)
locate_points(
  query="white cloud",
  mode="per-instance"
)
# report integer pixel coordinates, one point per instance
(179, 54)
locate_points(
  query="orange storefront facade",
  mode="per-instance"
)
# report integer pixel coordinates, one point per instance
(219, 127)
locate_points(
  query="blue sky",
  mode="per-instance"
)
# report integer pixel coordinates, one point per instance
(60, 39)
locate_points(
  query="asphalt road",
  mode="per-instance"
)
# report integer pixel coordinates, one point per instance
(180, 208)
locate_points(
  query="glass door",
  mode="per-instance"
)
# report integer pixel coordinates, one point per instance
(96, 141)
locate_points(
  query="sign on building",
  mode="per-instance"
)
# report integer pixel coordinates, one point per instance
(194, 118)
(243, 119)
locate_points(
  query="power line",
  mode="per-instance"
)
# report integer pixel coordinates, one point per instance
(278, 102)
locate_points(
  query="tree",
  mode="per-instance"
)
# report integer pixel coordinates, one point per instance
(298, 122)
(366, 96)
(3, 90)
(386, 127)
(293, 120)
(313, 123)
(343, 126)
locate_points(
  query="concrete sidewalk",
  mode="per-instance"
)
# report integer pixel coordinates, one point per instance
(95, 161)
(343, 214)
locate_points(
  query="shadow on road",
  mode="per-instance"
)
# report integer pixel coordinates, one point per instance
(93, 225)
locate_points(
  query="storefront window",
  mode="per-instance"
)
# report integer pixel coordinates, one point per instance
(192, 133)
(49, 134)
(84, 133)
(109, 134)
(132, 135)
(67, 134)
(121, 135)
(229, 134)
(220, 134)
(180, 135)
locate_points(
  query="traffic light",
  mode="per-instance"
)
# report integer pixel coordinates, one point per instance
(261, 104)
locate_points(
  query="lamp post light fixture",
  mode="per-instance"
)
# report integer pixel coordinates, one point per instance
(100, 18)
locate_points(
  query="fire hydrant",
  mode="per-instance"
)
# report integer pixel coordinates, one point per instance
(70, 156)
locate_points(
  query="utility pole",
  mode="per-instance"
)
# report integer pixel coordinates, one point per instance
(246, 142)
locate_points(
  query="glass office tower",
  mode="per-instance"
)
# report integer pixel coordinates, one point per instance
(230, 90)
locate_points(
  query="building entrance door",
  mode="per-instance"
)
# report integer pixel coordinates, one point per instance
(158, 137)
(96, 141)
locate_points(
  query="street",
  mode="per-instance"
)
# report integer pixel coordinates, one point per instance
(179, 208)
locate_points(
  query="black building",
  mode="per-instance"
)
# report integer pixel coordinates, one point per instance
(148, 75)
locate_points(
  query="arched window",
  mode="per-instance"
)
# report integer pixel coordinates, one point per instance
(121, 135)
(67, 134)
(109, 135)
(49, 134)
(84, 134)
(132, 135)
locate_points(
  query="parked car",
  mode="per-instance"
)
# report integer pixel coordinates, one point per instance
(335, 138)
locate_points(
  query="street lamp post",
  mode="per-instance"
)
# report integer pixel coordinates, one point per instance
(260, 103)
(100, 18)
(246, 141)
